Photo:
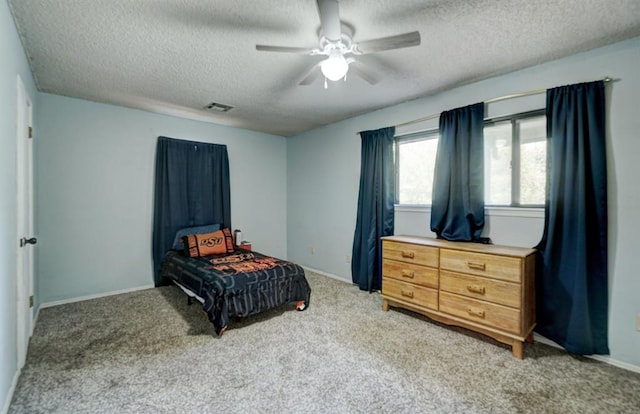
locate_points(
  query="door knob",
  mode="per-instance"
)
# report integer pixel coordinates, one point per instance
(24, 241)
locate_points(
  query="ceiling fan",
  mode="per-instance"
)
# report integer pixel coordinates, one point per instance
(336, 46)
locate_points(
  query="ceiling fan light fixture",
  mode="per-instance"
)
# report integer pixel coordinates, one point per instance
(335, 67)
(335, 42)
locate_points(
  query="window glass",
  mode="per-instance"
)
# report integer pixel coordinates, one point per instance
(533, 160)
(416, 162)
(497, 163)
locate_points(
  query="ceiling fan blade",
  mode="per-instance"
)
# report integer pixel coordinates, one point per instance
(388, 43)
(285, 49)
(330, 19)
(360, 70)
(311, 76)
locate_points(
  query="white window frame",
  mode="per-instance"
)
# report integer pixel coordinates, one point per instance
(495, 211)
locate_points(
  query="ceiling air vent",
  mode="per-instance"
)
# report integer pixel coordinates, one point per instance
(218, 107)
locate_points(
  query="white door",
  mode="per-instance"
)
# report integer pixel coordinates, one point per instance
(26, 238)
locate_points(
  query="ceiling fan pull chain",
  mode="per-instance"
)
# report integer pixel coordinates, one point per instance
(325, 83)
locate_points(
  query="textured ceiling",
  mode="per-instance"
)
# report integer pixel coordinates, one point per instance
(177, 56)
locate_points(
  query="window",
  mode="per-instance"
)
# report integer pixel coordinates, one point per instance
(515, 152)
(416, 159)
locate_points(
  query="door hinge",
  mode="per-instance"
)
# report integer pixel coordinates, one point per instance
(31, 301)
(30, 132)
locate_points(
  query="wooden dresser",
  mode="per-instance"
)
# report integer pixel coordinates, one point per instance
(482, 287)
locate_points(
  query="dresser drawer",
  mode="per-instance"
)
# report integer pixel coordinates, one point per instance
(412, 273)
(502, 317)
(491, 290)
(407, 292)
(498, 267)
(410, 253)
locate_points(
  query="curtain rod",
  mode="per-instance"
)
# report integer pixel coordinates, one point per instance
(500, 98)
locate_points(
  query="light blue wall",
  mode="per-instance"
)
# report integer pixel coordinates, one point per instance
(324, 168)
(95, 192)
(14, 63)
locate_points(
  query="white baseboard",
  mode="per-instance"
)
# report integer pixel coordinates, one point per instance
(12, 389)
(35, 320)
(98, 295)
(311, 269)
(602, 358)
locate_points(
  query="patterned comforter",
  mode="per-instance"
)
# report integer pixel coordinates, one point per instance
(242, 283)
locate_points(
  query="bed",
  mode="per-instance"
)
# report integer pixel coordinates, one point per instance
(192, 203)
(238, 283)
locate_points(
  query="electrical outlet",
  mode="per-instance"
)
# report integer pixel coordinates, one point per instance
(312, 250)
(348, 258)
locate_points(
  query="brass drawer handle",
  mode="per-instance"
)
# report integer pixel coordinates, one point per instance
(408, 254)
(477, 266)
(407, 293)
(476, 289)
(408, 273)
(478, 313)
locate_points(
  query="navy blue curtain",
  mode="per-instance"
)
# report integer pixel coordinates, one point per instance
(457, 210)
(191, 189)
(571, 275)
(375, 207)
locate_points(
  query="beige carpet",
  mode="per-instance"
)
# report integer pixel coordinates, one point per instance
(148, 352)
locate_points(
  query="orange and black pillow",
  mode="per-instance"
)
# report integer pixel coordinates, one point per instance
(219, 242)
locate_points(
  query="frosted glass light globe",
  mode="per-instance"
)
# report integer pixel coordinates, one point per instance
(335, 67)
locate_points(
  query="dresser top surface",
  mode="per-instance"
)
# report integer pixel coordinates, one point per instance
(464, 246)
